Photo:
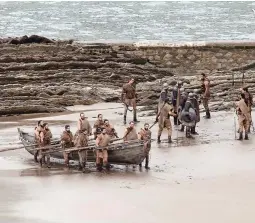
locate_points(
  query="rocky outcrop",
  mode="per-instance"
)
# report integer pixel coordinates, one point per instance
(47, 76)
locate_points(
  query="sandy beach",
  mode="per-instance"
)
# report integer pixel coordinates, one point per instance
(206, 179)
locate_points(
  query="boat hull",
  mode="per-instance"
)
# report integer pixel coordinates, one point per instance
(122, 154)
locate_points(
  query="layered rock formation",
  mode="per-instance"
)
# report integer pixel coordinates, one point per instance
(46, 77)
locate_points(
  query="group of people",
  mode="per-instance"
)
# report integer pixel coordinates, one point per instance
(183, 106)
(104, 133)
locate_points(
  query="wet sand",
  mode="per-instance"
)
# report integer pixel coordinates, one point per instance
(207, 179)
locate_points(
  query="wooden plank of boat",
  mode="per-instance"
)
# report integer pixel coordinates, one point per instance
(132, 153)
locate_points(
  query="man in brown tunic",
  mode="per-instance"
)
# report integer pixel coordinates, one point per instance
(249, 100)
(163, 118)
(130, 133)
(67, 142)
(38, 130)
(83, 125)
(243, 117)
(102, 141)
(45, 137)
(205, 89)
(129, 97)
(145, 135)
(81, 140)
(110, 129)
(98, 124)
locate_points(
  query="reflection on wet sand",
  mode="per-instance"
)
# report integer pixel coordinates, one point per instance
(207, 179)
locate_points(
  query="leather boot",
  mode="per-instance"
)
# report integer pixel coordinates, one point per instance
(193, 131)
(175, 121)
(99, 167)
(147, 163)
(249, 129)
(80, 166)
(240, 136)
(40, 162)
(135, 116)
(207, 115)
(35, 156)
(170, 139)
(246, 136)
(125, 120)
(159, 141)
(182, 128)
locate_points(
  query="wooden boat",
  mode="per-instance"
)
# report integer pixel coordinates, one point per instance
(122, 153)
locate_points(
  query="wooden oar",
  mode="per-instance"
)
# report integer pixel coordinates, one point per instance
(73, 149)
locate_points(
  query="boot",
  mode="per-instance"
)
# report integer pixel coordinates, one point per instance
(159, 141)
(246, 136)
(249, 129)
(193, 131)
(35, 156)
(99, 167)
(40, 162)
(125, 120)
(182, 128)
(80, 166)
(169, 139)
(135, 117)
(147, 163)
(140, 165)
(175, 121)
(207, 115)
(240, 136)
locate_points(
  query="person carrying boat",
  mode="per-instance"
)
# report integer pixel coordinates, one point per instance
(102, 142)
(45, 137)
(38, 130)
(84, 125)
(163, 119)
(98, 124)
(205, 89)
(110, 129)
(176, 100)
(145, 135)
(67, 142)
(130, 133)
(81, 140)
(128, 97)
(243, 117)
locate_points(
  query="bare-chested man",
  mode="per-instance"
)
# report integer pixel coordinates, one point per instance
(129, 97)
(205, 89)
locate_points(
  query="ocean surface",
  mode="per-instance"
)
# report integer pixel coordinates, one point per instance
(130, 21)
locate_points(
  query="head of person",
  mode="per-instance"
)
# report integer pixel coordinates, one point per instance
(40, 123)
(131, 124)
(103, 131)
(179, 84)
(106, 122)
(82, 116)
(131, 81)
(46, 126)
(167, 101)
(203, 76)
(67, 128)
(100, 117)
(98, 130)
(191, 95)
(146, 126)
(165, 86)
(245, 89)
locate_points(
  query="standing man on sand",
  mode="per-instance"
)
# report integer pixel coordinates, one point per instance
(176, 94)
(249, 100)
(128, 97)
(243, 117)
(83, 125)
(38, 130)
(163, 119)
(205, 89)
